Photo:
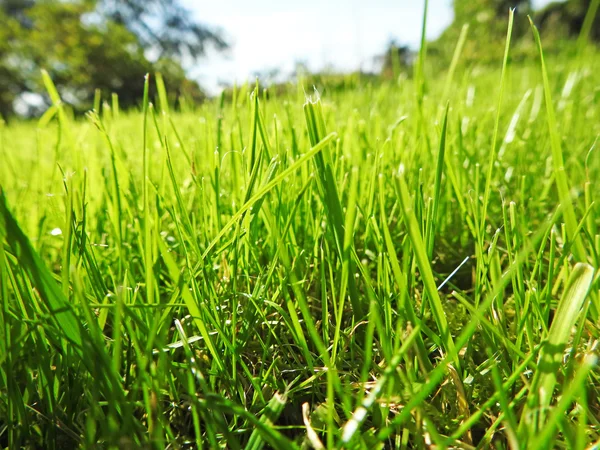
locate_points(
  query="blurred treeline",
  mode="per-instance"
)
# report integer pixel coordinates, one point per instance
(107, 46)
(566, 27)
(90, 45)
(561, 26)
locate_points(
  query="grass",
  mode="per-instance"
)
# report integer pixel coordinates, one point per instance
(281, 271)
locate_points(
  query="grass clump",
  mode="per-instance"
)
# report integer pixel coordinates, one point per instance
(281, 272)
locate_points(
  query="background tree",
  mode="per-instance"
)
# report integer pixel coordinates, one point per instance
(87, 45)
(559, 21)
(487, 20)
(11, 83)
(163, 25)
(396, 59)
(563, 20)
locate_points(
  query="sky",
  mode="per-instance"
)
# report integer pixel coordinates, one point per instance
(345, 35)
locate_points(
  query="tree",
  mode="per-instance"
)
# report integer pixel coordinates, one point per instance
(163, 25)
(85, 46)
(483, 11)
(564, 20)
(396, 59)
(11, 83)
(487, 20)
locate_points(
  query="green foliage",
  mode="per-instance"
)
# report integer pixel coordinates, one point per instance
(334, 272)
(274, 272)
(166, 26)
(560, 24)
(11, 81)
(83, 51)
(397, 59)
(487, 27)
(564, 20)
(79, 56)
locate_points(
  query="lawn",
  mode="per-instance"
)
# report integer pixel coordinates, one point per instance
(399, 264)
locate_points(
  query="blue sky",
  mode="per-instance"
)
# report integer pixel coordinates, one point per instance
(343, 34)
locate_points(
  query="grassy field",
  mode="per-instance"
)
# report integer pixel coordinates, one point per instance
(403, 265)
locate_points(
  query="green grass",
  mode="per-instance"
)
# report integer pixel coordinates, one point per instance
(273, 272)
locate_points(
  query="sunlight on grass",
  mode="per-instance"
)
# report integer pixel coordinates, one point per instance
(410, 263)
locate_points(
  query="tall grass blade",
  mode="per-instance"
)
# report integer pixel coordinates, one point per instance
(424, 265)
(492, 156)
(60, 308)
(560, 175)
(550, 359)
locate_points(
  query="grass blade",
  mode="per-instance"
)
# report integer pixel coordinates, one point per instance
(557, 158)
(551, 354)
(61, 310)
(424, 265)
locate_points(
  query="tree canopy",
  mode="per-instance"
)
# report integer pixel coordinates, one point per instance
(487, 20)
(565, 19)
(97, 44)
(559, 21)
(396, 58)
